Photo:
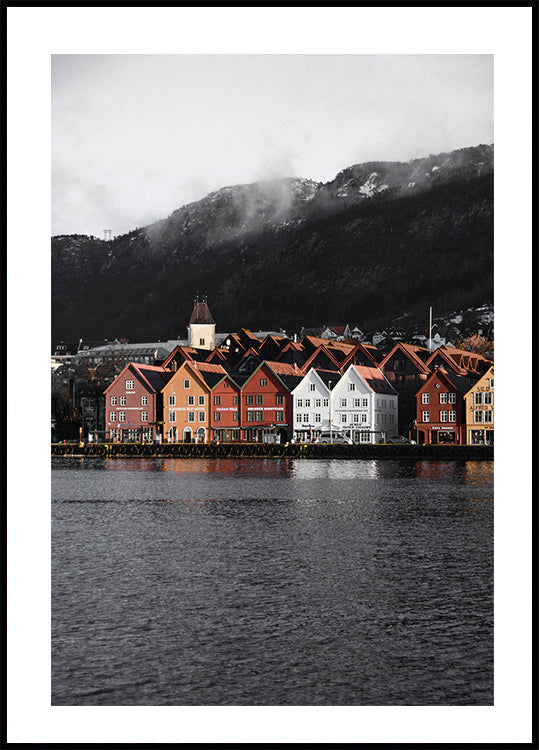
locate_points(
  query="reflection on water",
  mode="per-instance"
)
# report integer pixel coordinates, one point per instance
(471, 472)
(272, 582)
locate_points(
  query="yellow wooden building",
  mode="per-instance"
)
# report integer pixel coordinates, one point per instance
(479, 401)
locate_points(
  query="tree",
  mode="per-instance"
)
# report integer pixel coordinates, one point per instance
(474, 343)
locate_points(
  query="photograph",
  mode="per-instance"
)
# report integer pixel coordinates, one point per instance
(269, 299)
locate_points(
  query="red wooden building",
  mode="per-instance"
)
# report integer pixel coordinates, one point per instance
(134, 403)
(441, 412)
(266, 402)
(225, 410)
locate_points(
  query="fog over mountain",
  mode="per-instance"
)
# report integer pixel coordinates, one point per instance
(379, 240)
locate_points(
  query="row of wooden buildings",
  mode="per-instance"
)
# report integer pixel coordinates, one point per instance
(252, 389)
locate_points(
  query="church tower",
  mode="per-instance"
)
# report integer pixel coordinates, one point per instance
(201, 328)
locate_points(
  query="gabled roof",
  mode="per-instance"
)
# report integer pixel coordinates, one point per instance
(247, 354)
(412, 352)
(247, 338)
(450, 362)
(359, 352)
(211, 374)
(154, 378)
(288, 375)
(461, 383)
(465, 359)
(182, 352)
(321, 354)
(485, 376)
(375, 379)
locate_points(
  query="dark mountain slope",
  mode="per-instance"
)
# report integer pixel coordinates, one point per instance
(370, 245)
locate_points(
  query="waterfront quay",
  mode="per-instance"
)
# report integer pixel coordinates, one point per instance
(274, 450)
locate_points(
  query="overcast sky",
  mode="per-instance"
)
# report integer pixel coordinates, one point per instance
(136, 136)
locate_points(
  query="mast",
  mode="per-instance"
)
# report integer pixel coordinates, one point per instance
(430, 329)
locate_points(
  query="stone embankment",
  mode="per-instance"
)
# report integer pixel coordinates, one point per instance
(271, 450)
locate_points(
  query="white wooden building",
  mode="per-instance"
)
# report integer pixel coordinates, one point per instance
(364, 405)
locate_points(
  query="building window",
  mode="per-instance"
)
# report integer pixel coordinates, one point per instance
(364, 437)
(488, 398)
(312, 387)
(351, 386)
(217, 400)
(235, 416)
(279, 416)
(443, 416)
(201, 400)
(307, 403)
(425, 416)
(259, 416)
(452, 416)
(258, 400)
(355, 417)
(172, 416)
(263, 382)
(425, 398)
(343, 418)
(478, 416)
(279, 399)
(452, 398)
(186, 383)
(144, 400)
(342, 401)
(317, 403)
(129, 385)
(357, 402)
(112, 417)
(190, 400)
(201, 416)
(123, 400)
(363, 418)
(305, 417)
(121, 416)
(299, 403)
(443, 398)
(114, 401)
(201, 342)
(250, 416)
(365, 402)
(491, 382)
(143, 416)
(250, 400)
(326, 402)
(317, 417)
(488, 416)
(190, 416)
(478, 398)
(298, 417)
(216, 416)
(172, 400)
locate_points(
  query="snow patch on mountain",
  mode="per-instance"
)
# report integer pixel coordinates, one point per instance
(372, 186)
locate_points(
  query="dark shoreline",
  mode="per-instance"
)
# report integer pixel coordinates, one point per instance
(257, 450)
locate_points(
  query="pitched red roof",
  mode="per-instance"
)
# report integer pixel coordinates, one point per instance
(375, 379)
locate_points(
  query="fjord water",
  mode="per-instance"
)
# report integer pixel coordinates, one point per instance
(272, 582)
